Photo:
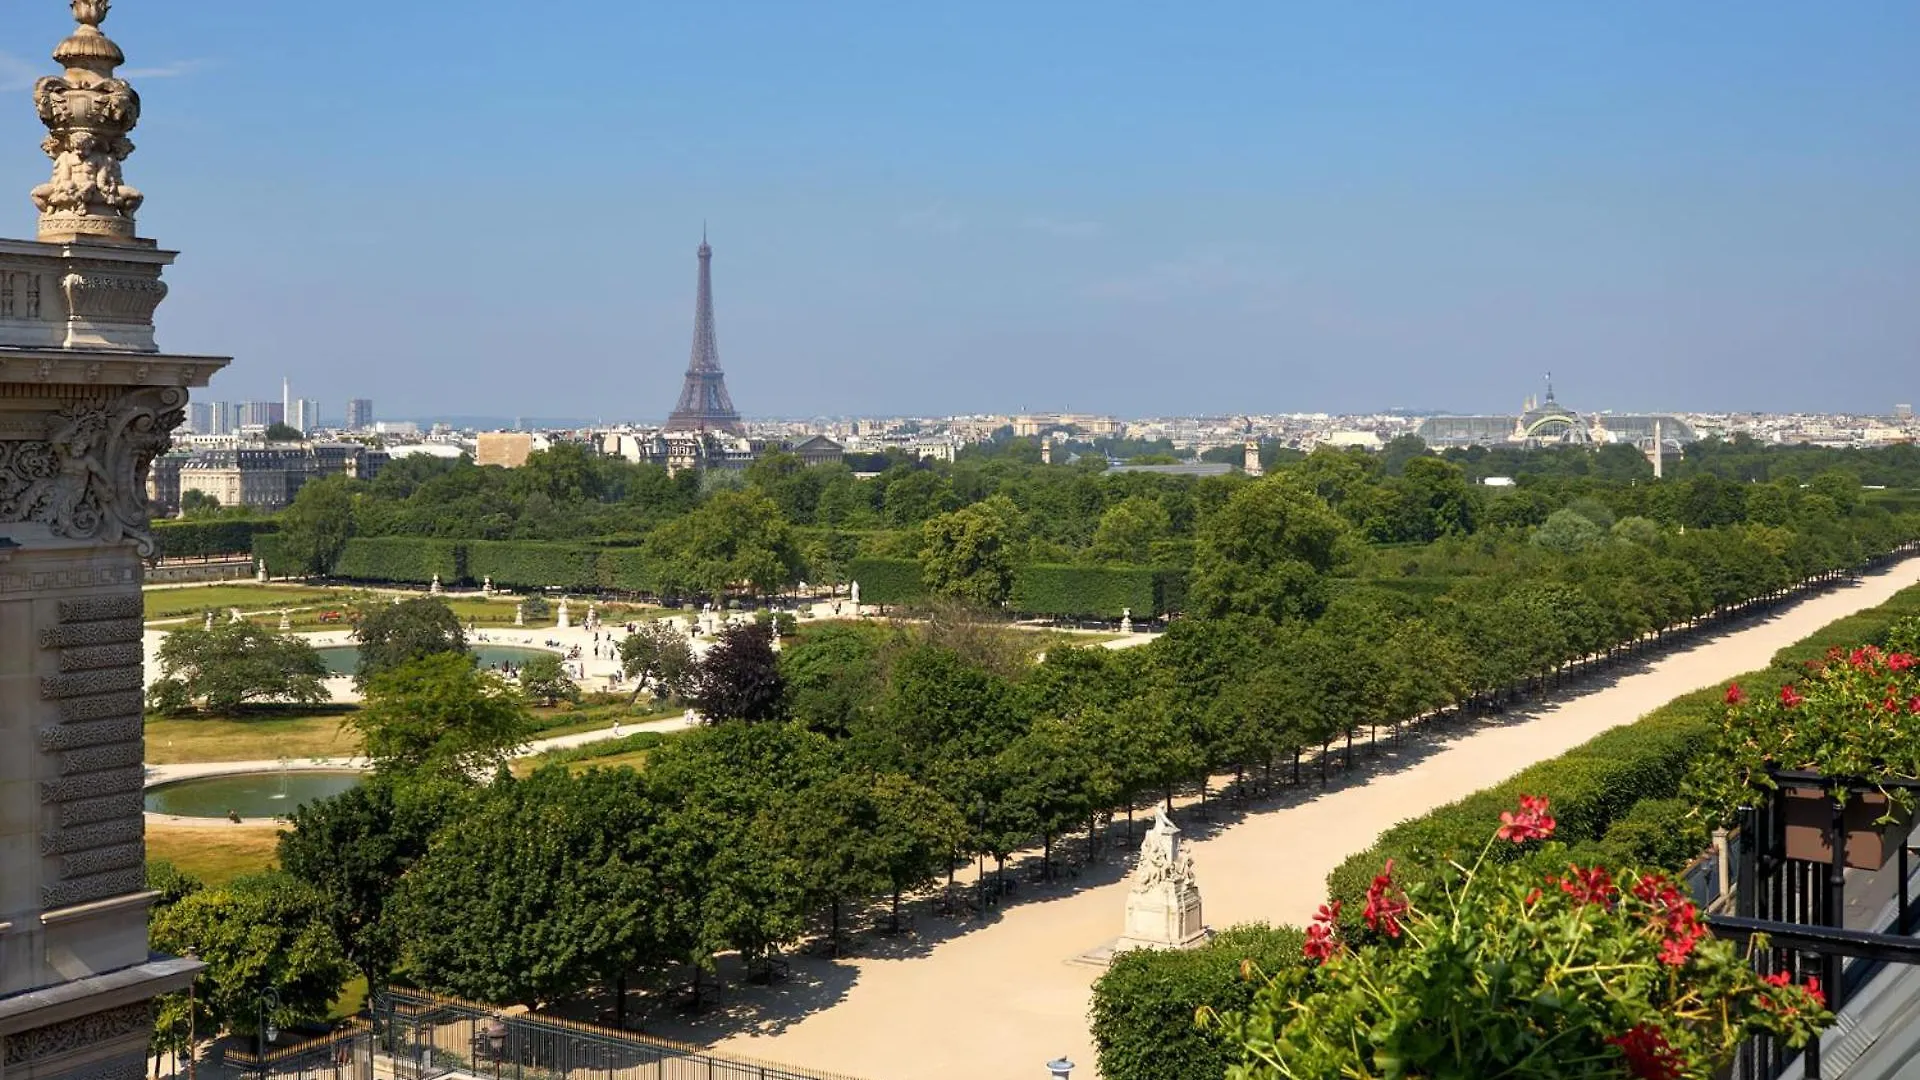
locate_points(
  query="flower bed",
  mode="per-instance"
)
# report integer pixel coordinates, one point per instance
(1494, 969)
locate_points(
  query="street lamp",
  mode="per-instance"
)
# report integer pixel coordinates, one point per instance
(269, 1001)
(1060, 1068)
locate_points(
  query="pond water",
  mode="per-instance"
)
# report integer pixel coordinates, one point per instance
(345, 659)
(251, 795)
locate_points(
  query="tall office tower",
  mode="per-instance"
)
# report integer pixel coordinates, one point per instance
(1903, 412)
(359, 414)
(222, 418)
(306, 414)
(704, 404)
(200, 418)
(80, 425)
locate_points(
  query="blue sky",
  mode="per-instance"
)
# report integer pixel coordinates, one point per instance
(492, 207)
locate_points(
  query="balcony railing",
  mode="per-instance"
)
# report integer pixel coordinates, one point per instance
(1801, 904)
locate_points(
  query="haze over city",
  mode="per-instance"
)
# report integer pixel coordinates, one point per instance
(1220, 208)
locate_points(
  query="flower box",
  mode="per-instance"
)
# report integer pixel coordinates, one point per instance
(1809, 813)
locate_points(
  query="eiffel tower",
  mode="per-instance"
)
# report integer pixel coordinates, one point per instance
(704, 404)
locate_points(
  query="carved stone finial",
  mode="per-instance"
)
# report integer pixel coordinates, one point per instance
(88, 113)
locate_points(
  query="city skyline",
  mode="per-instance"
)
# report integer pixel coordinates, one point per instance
(1132, 214)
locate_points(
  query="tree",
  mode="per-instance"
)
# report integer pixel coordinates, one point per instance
(739, 677)
(1127, 531)
(964, 554)
(281, 432)
(545, 677)
(1569, 532)
(195, 503)
(834, 674)
(734, 539)
(542, 888)
(440, 714)
(1266, 552)
(352, 850)
(656, 656)
(391, 635)
(235, 663)
(315, 529)
(257, 933)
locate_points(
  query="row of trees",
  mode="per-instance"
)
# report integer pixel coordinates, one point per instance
(865, 760)
(970, 521)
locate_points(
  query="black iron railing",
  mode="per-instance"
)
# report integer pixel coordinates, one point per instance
(1799, 903)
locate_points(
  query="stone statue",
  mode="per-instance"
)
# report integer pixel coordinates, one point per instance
(1126, 620)
(286, 623)
(1163, 905)
(88, 113)
(209, 625)
(486, 586)
(519, 614)
(566, 619)
(260, 572)
(233, 615)
(853, 593)
(434, 589)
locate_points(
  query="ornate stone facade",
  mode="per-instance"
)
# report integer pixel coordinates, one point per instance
(88, 112)
(87, 402)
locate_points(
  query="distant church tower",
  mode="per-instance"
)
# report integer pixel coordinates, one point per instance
(704, 404)
(1252, 466)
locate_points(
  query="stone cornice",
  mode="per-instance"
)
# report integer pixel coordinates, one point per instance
(138, 251)
(76, 367)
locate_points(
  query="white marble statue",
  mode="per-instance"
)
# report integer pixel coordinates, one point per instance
(434, 589)
(486, 586)
(566, 617)
(209, 625)
(260, 575)
(1126, 620)
(286, 622)
(853, 593)
(1163, 904)
(519, 614)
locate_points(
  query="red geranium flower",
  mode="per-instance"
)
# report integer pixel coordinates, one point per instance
(1322, 941)
(1531, 823)
(1385, 908)
(1735, 695)
(1899, 661)
(1647, 1052)
(1789, 696)
(1591, 886)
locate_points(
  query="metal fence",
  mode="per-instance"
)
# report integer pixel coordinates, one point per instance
(426, 1037)
(344, 1054)
(1800, 905)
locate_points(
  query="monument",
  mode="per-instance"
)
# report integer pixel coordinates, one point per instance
(1163, 907)
(87, 401)
(565, 619)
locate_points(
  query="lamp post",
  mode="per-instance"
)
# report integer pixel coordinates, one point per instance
(269, 1001)
(1060, 1068)
(192, 1035)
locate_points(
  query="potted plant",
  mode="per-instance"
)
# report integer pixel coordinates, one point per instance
(1856, 716)
(1505, 971)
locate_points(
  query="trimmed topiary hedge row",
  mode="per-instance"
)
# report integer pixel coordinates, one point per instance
(524, 564)
(1145, 1003)
(400, 558)
(1598, 784)
(888, 581)
(1042, 589)
(218, 536)
(1095, 591)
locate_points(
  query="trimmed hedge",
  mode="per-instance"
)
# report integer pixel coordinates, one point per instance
(624, 570)
(216, 536)
(413, 559)
(1041, 589)
(268, 548)
(1599, 783)
(888, 581)
(526, 564)
(1093, 591)
(1144, 1005)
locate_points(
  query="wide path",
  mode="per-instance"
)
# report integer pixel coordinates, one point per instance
(1004, 998)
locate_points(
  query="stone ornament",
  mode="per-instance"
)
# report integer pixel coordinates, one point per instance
(88, 113)
(88, 479)
(76, 1034)
(1163, 904)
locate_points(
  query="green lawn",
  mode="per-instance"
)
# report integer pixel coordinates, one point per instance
(216, 854)
(174, 603)
(269, 736)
